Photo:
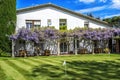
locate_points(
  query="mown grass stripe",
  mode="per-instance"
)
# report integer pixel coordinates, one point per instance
(59, 64)
(36, 61)
(47, 66)
(57, 67)
(2, 73)
(27, 63)
(19, 69)
(21, 65)
(41, 61)
(31, 62)
(50, 61)
(10, 71)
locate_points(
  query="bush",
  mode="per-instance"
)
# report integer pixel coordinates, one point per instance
(4, 54)
(63, 27)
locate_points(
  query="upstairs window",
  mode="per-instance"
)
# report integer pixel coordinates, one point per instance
(29, 24)
(33, 23)
(49, 22)
(86, 24)
(37, 23)
(63, 24)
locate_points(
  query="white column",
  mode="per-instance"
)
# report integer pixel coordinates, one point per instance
(58, 48)
(75, 47)
(13, 45)
(93, 48)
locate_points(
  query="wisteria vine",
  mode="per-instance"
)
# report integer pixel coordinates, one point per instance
(50, 33)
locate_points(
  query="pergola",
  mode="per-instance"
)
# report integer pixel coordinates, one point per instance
(86, 39)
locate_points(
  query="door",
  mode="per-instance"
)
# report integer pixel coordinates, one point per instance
(63, 47)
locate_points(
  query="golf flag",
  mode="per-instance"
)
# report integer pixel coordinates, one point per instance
(64, 63)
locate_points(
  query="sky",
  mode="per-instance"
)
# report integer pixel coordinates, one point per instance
(99, 8)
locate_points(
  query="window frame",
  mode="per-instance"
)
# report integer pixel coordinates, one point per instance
(33, 23)
(49, 22)
(63, 22)
(86, 24)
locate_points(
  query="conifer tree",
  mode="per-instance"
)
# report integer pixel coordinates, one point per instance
(7, 23)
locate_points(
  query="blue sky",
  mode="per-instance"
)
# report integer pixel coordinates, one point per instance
(99, 8)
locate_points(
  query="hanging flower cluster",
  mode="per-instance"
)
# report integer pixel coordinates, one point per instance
(97, 34)
(25, 34)
(50, 33)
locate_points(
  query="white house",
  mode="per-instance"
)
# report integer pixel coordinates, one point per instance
(52, 15)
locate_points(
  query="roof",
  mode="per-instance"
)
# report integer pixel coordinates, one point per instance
(63, 9)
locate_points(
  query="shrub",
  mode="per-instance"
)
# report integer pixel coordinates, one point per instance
(3, 53)
(63, 27)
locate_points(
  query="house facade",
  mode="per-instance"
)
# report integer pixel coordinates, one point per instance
(50, 15)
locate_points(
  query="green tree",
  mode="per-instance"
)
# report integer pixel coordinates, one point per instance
(90, 14)
(114, 21)
(7, 23)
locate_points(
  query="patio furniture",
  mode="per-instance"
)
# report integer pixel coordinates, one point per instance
(22, 53)
(47, 52)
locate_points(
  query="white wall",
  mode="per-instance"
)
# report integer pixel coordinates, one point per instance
(54, 14)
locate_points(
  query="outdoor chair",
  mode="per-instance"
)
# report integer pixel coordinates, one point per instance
(22, 53)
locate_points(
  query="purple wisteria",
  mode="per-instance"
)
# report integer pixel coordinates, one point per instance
(50, 33)
(25, 34)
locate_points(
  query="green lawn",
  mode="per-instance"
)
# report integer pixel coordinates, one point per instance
(80, 67)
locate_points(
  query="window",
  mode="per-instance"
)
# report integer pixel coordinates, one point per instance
(33, 23)
(29, 24)
(86, 24)
(37, 23)
(49, 22)
(63, 24)
(63, 47)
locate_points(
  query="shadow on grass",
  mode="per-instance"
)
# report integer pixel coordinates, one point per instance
(2, 74)
(80, 70)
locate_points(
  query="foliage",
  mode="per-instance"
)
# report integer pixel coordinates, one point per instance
(25, 34)
(7, 23)
(50, 33)
(35, 35)
(3, 53)
(114, 21)
(90, 14)
(63, 27)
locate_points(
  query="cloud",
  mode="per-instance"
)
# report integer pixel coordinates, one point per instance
(103, 1)
(87, 1)
(109, 16)
(91, 9)
(115, 4)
